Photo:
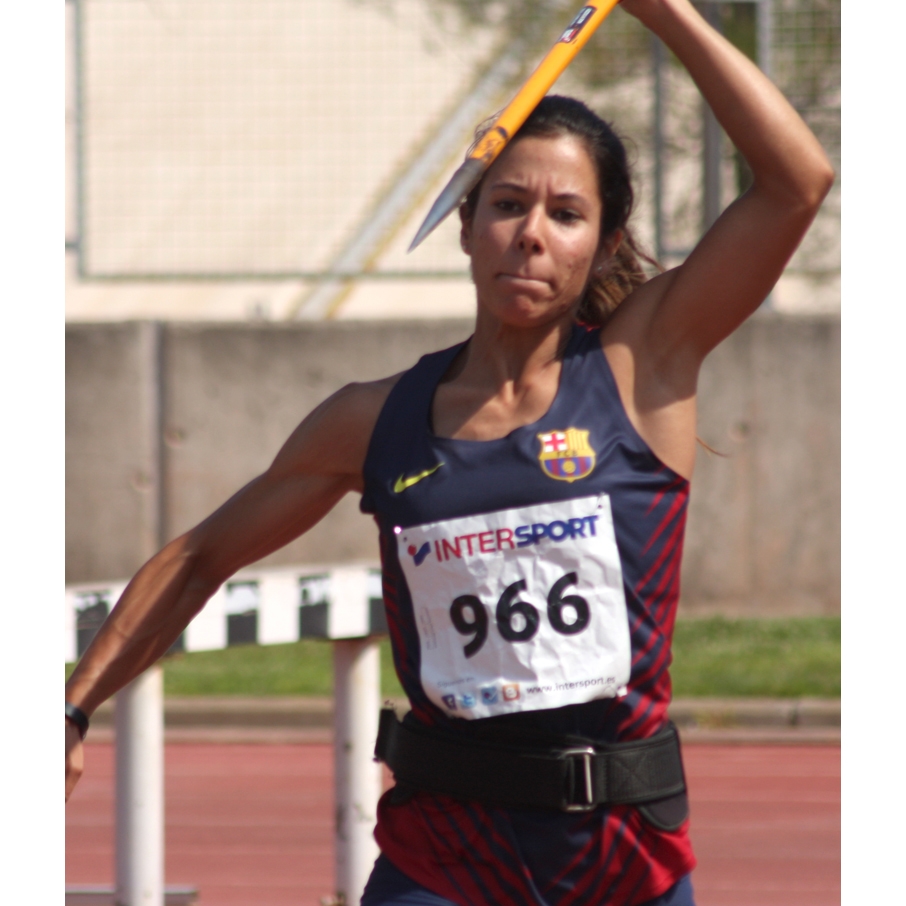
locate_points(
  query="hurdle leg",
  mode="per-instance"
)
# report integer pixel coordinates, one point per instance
(139, 717)
(357, 676)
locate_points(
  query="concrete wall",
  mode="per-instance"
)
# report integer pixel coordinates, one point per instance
(764, 522)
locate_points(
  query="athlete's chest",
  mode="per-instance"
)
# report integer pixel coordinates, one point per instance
(451, 478)
(581, 445)
(463, 410)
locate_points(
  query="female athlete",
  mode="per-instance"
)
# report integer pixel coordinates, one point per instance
(530, 488)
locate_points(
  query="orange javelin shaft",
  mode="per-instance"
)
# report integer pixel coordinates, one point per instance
(516, 113)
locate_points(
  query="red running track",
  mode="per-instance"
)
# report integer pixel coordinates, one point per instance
(251, 825)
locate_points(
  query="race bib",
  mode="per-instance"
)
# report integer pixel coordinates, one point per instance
(519, 610)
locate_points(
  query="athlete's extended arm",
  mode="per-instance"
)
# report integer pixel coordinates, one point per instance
(320, 462)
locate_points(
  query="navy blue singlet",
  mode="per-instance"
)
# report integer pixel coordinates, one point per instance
(476, 854)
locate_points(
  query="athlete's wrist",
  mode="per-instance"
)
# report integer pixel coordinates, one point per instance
(78, 718)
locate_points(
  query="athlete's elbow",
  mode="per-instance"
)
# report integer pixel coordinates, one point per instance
(192, 556)
(205, 576)
(808, 191)
(821, 180)
(800, 190)
(202, 583)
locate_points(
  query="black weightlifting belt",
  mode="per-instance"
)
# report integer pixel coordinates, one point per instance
(569, 777)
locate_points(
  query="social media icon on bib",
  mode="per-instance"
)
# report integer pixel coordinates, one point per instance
(466, 700)
(450, 702)
(489, 695)
(510, 692)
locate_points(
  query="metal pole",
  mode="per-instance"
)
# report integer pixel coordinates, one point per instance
(764, 26)
(79, 64)
(657, 60)
(72, 128)
(711, 204)
(140, 791)
(150, 483)
(357, 778)
(140, 705)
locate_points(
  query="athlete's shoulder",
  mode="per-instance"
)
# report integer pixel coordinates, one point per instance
(354, 409)
(361, 400)
(357, 406)
(333, 439)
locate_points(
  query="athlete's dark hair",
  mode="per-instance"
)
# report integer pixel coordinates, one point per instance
(556, 115)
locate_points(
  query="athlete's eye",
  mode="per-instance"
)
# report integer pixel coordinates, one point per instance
(507, 205)
(567, 215)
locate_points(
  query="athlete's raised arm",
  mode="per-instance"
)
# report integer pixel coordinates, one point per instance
(658, 338)
(321, 461)
(740, 258)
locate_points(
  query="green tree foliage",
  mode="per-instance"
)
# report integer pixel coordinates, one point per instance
(806, 45)
(619, 48)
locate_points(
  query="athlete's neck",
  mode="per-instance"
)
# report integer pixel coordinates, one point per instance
(505, 378)
(501, 353)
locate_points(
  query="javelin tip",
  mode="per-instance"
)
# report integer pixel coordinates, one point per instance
(463, 181)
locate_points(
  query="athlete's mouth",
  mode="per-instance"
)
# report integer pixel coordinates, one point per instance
(522, 278)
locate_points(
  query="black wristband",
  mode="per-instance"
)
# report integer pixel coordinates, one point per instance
(79, 718)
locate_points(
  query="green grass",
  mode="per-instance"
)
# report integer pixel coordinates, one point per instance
(300, 668)
(711, 657)
(775, 658)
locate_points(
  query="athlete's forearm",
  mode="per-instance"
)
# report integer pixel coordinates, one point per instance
(784, 155)
(173, 586)
(154, 609)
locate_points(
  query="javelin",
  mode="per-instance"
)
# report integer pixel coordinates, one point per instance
(515, 114)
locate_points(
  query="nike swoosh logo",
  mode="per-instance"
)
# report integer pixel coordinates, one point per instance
(403, 483)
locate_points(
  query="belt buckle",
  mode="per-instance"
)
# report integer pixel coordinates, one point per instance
(585, 753)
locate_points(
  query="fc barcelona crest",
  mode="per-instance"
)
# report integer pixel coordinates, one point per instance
(566, 455)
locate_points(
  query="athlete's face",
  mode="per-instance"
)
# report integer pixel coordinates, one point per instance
(534, 236)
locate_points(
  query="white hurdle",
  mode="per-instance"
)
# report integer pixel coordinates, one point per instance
(139, 721)
(264, 606)
(357, 777)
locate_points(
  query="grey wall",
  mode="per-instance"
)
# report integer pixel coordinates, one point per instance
(764, 522)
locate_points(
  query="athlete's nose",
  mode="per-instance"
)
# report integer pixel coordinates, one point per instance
(531, 235)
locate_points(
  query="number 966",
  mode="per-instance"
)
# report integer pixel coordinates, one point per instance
(470, 618)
